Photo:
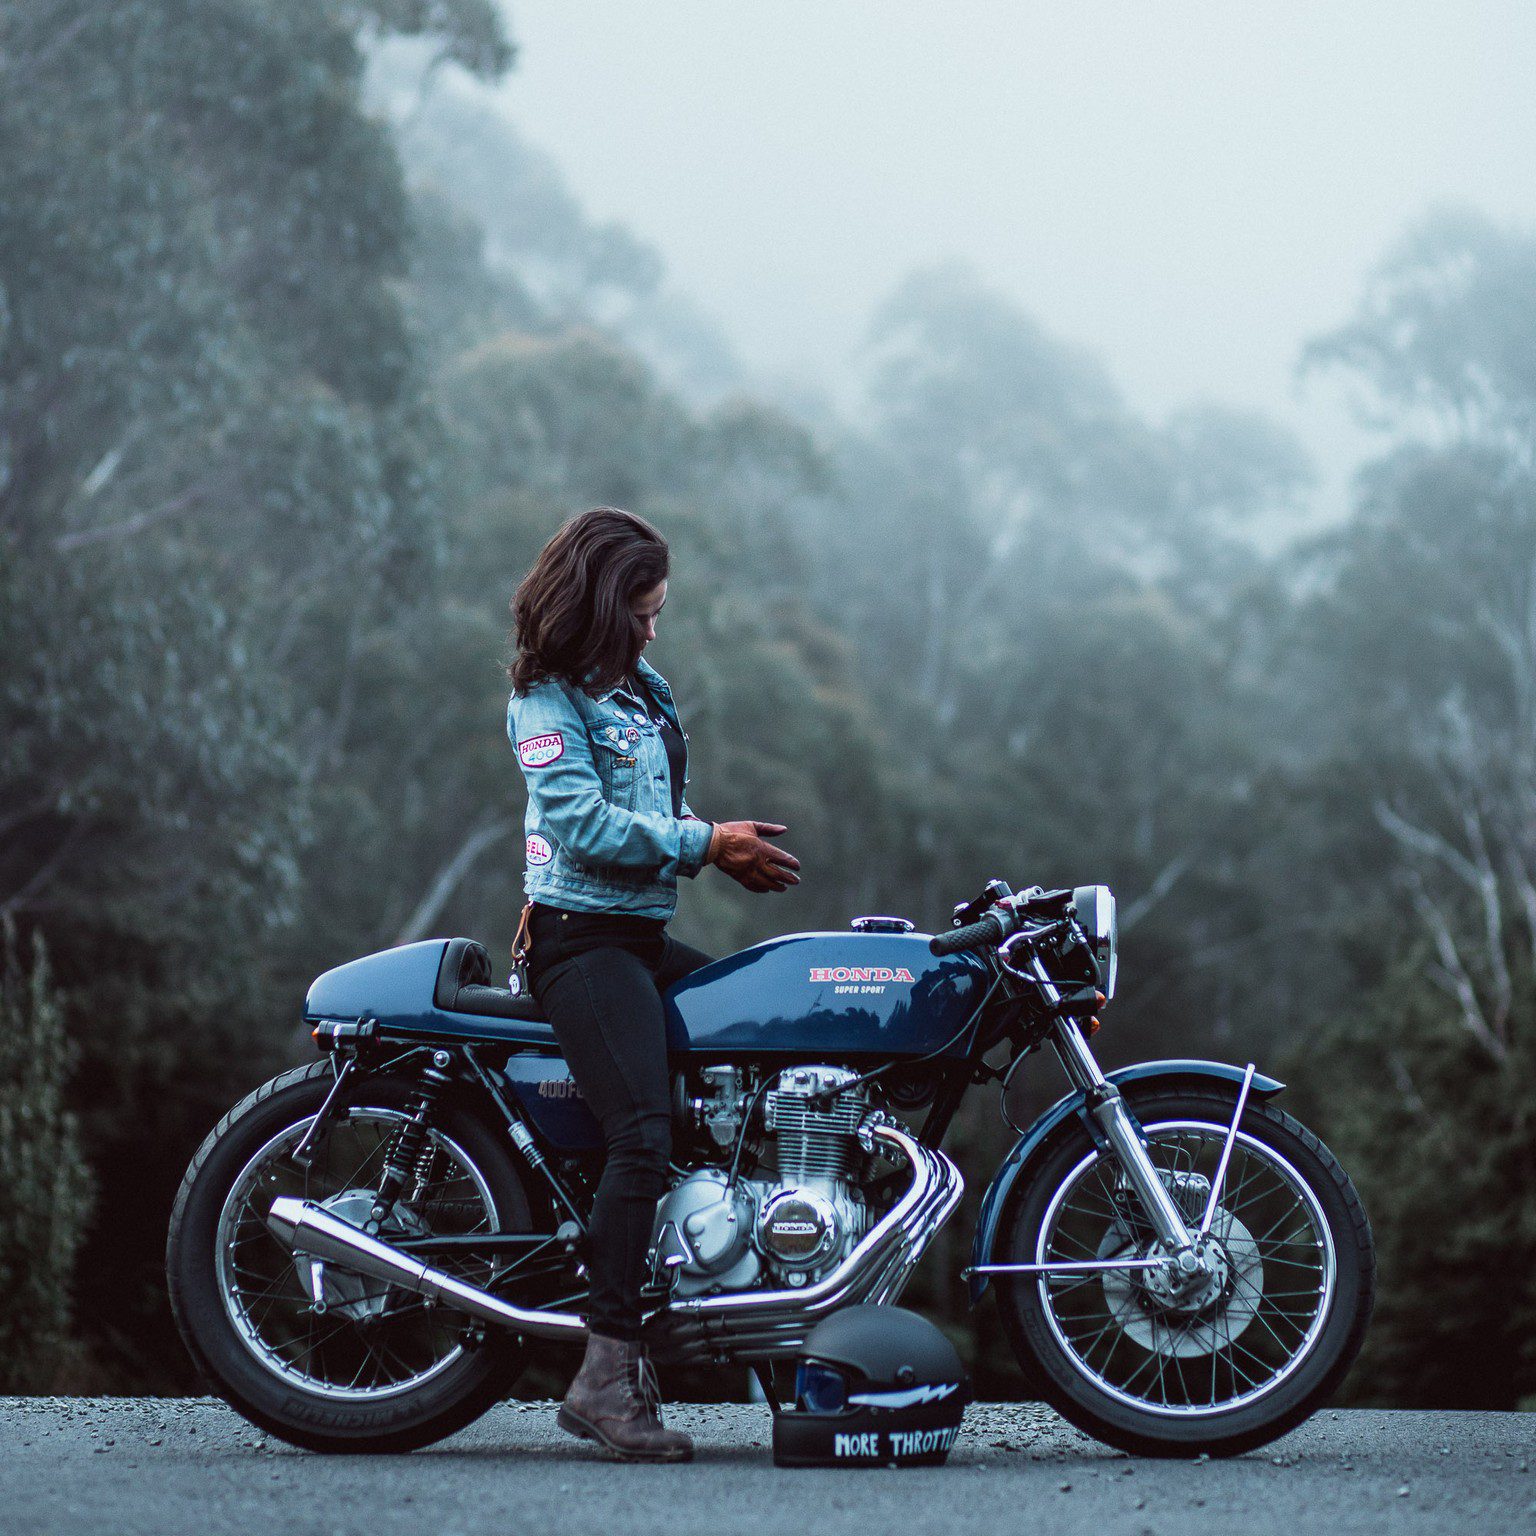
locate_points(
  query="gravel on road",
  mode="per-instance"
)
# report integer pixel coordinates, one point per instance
(122, 1466)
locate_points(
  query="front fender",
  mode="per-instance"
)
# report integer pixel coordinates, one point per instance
(1030, 1147)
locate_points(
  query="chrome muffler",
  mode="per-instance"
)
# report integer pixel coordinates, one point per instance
(749, 1324)
(310, 1229)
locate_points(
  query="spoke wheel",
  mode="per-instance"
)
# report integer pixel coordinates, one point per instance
(1159, 1362)
(336, 1361)
(328, 1329)
(1226, 1340)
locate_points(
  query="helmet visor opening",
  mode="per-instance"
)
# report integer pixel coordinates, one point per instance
(820, 1388)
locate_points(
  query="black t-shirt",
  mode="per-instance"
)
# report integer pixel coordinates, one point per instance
(671, 739)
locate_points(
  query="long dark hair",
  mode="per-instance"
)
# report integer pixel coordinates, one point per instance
(572, 612)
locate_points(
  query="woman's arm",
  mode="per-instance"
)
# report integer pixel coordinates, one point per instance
(555, 755)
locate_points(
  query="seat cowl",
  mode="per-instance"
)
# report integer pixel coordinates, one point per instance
(465, 985)
(431, 989)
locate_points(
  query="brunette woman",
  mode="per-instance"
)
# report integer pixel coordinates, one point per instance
(608, 831)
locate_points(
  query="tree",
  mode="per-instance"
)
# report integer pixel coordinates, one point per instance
(1425, 628)
(45, 1187)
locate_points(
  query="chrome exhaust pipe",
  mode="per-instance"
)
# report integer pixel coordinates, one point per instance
(309, 1228)
(762, 1325)
(752, 1324)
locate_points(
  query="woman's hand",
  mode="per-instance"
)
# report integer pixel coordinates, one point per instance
(740, 849)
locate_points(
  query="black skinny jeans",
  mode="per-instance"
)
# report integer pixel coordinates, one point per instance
(599, 977)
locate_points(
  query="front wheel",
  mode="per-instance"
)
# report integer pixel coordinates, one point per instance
(331, 1360)
(1221, 1366)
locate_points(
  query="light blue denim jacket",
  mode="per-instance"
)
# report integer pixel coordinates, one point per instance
(599, 830)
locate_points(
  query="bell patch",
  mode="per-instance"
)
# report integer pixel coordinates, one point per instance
(538, 850)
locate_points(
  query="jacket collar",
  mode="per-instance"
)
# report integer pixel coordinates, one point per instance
(653, 679)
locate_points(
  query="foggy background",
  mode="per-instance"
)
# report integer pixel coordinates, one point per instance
(1192, 191)
(1094, 444)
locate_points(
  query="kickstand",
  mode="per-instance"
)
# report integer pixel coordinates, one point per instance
(763, 1370)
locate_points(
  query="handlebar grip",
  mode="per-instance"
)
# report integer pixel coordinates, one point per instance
(972, 936)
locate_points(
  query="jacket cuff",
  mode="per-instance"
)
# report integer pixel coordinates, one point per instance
(694, 844)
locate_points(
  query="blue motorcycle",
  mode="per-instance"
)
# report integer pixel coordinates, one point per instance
(363, 1249)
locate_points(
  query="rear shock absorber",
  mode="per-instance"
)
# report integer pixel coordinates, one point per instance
(410, 1150)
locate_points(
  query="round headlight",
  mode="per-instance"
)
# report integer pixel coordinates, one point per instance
(1096, 913)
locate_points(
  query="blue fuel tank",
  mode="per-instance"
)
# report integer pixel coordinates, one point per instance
(825, 995)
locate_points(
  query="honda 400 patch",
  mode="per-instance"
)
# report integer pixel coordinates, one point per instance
(538, 850)
(537, 751)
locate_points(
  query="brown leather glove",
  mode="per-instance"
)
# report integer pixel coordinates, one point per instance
(740, 849)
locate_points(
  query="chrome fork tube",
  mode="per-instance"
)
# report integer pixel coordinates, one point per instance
(1107, 1106)
(1167, 1219)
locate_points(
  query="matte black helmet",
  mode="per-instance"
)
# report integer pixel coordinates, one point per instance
(874, 1386)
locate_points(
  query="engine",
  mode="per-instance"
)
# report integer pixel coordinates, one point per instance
(794, 1208)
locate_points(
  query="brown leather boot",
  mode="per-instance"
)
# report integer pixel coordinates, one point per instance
(616, 1401)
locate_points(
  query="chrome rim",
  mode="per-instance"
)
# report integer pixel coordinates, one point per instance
(1237, 1338)
(367, 1340)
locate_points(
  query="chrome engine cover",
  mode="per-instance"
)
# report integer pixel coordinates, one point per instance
(704, 1233)
(784, 1229)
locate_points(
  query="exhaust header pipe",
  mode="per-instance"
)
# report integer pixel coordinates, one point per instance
(761, 1324)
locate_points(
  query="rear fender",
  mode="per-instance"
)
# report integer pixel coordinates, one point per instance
(1032, 1146)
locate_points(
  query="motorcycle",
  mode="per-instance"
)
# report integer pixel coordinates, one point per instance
(363, 1249)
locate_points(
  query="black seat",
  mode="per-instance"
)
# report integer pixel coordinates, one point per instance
(464, 985)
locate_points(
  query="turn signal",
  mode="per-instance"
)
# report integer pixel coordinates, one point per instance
(1100, 999)
(1093, 1028)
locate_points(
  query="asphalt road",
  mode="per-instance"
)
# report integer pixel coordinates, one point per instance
(116, 1467)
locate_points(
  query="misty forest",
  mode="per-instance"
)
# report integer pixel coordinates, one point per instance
(304, 354)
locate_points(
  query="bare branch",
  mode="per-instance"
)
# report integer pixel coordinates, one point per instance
(126, 527)
(1413, 1100)
(1452, 973)
(1425, 843)
(448, 879)
(21, 899)
(1165, 881)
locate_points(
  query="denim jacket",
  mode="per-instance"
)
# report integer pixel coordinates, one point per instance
(599, 830)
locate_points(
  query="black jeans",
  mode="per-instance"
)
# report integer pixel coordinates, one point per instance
(599, 978)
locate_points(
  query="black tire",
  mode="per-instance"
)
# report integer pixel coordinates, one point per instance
(1049, 1367)
(418, 1416)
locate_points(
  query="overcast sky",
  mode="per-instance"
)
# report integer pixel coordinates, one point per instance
(1191, 189)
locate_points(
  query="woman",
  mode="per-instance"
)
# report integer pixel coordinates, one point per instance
(608, 833)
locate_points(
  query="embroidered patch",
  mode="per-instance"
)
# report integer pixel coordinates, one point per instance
(536, 751)
(538, 850)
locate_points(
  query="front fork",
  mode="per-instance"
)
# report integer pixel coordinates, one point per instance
(1106, 1104)
(1186, 1263)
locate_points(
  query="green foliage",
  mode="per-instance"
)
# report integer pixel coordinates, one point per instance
(216, 475)
(304, 354)
(45, 1187)
(1442, 1142)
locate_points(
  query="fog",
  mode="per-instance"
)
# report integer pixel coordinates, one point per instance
(1190, 190)
(954, 353)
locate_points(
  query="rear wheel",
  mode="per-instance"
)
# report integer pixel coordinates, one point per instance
(332, 1360)
(1219, 1366)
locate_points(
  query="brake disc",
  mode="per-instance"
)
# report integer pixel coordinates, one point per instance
(1196, 1321)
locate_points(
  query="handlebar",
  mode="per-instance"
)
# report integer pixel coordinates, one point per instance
(973, 936)
(1005, 918)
